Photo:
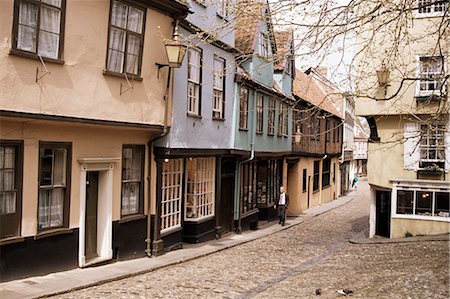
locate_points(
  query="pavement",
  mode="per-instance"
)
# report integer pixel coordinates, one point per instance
(66, 281)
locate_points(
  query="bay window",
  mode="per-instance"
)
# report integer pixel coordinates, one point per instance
(423, 203)
(132, 180)
(194, 81)
(39, 27)
(126, 38)
(54, 191)
(200, 175)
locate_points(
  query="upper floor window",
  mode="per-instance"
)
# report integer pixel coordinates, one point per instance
(259, 113)
(271, 117)
(223, 8)
(432, 148)
(431, 75)
(263, 44)
(243, 109)
(126, 38)
(39, 27)
(132, 179)
(54, 185)
(194, 80)
(432, 7)
(218, 87)
(316, 175)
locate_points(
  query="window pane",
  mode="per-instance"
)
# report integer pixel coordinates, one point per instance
(59, 168)
(423, 203)
(442, 204)
(50, 19)
(48, 45)
(46, 165)
(7, 203)
(115, 61)
(119, 15)
(28, 14)
(26, 39)
(57, 207)
(135, 19)
(56, 3)
(44, 208)
(117, 39)
(405, 201)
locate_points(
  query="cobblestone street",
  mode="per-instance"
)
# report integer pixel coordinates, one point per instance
(294, 262)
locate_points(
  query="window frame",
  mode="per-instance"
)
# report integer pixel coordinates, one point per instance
(13, 221)
(174, 217)
(221, 109)
(263, 43)
(428, 133)
(195, 195)
(68, 172)
(326, 173)
(259, 113)
(34, 55)
(243, 108)
(316, 176)
(412, 208)
(196, 112)
(140, 209)
(127, 33)
(428, 5)
(425, 77)
(271, 116)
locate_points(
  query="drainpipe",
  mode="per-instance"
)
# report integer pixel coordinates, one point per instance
(237, 172)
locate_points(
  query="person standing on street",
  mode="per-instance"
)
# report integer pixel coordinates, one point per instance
(281, 205)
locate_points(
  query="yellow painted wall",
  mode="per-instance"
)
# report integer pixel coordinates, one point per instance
(418, 227)
(298, 200)
(87, 142)
(78, 87)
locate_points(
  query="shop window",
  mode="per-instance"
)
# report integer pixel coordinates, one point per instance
(316, 175)
(126, 38)
(171, 194)
(39, 28)
(218, 88)
(442, 204)
(248, 186)
(200, 188)
(405, 202)
(423, 203)
(132, 180)
(268, 173)
(54, 189)
(10, 188)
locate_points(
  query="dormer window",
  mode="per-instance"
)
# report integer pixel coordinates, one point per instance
(264, 44)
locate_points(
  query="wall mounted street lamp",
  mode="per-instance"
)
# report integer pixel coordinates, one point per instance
(175, 51)
(383, 76)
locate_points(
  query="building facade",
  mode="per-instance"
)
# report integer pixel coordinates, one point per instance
(408, 166)
(80, 102)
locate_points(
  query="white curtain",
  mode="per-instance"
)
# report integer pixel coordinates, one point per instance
(26, 38)
(51, 207)
(49, 32)
(7, 180)
(134, 45)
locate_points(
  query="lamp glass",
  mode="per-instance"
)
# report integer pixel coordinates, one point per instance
(175, 54)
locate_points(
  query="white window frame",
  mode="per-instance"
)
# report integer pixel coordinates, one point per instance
(423, 78)
(243, 108)
(194, 76)
(264, 44)
(434, 10)
(218, 87)
(271, 116)
(259, 113)
(433, 132)
(223, 8)
(199, 189)
(414, 204)
(171, 194)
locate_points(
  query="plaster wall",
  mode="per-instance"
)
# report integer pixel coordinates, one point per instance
(78, 87)
(420, 41)
(87, 142)
(386, 157)
(418, 227)
(201, 131)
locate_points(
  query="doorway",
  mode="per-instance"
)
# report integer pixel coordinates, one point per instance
(383, 214)
(91, 215)
(227, 195)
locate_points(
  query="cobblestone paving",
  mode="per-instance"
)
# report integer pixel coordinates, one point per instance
(293, 263)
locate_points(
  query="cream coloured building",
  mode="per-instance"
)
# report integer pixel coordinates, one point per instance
(81, 100)
(404, 97)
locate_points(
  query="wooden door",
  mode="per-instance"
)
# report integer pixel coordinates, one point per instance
(91, 215)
